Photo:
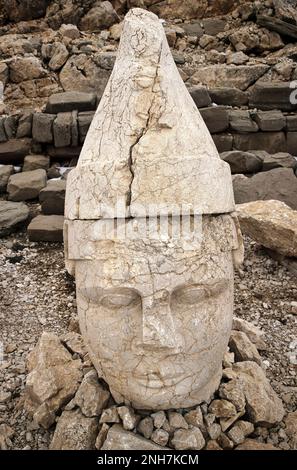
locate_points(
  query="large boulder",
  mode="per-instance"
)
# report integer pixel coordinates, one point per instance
(46, 228)
(276, 160)
(42, 129)
(36, 162)
(27, 185)
(263, 406)
(279, 184)
(53, 379)
(71, 101)
(11, 215)
(271, 223)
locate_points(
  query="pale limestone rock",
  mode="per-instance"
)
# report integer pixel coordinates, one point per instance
(177, 421)
(222, 409)
(53, 379)
(101, 436)
(243, 348)
(254, 333)
(159, 419)
(271, 223)
(188, 439)
(146, 427)
(246, 427)
(252, 444)
(262, 404)
(236, 435)
(195, 418)
(91, 397)
(155, 309)
(120, 439)
(136, 148)
(110, 415)
(75, 431)
(159, 436)
(128, 417)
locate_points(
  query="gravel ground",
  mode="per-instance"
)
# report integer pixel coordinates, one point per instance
(36, 294)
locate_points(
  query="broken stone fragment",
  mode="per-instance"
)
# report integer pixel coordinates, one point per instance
(195, 418)
(262, 404)
(146, 427)
(110, 415)
(177, 421)
(120, 439)
(222, 408)
(91, 397)
(54, 376)
(101, 436)
(75, 431)
(160, 437)
(188, 439)
(254, 333)
(252, 444)
(159, 419)
(149, 162)
(128, 417)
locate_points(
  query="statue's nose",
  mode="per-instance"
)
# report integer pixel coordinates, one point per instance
(158, 329)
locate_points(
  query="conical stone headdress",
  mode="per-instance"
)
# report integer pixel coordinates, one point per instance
(148, 144)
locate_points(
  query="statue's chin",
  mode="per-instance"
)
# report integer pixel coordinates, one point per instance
(153, 395)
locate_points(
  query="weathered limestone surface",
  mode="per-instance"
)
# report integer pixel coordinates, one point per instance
(272, 224)
(136, 148)
(169, 294)
(11, 214)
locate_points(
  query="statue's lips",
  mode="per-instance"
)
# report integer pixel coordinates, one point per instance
(159, 382)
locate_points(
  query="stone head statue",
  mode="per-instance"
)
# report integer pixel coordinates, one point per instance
(149, 232)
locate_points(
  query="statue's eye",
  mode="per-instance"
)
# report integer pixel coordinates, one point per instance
(196, 293)
(125, 298)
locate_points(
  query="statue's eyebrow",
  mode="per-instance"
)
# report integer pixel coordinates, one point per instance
(212, 284)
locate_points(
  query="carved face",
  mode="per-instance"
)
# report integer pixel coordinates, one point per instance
(157, 319)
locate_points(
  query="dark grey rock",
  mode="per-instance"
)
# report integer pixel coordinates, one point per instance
(242, 162)
(46, 228)
(269, 96)
(71, 101)
(42, 128)
(11, 215)
(52, 197)
(228, 96)
(241, 121)
(62, 130)
(216, 118)
(270, 121)
(200, 96)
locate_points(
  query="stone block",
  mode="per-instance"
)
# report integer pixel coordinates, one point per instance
(11, 215)
(242, 162)
(84, 122)
(279, 184)
(200, 96)
(14, 151)
(27, 185)
(223, 142)
(213, 26)
(234, 76)
(46, 228)
(292, 122)
(36, 162)
(25, 126)
(215, 118)
(241, 121)
(228, 96)
(270, 121)
(52, 197)
(272, 142)
(74, 129)
(62, 130)
(42, 129)
(272, 95)
(71, 101)
(5, 172)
